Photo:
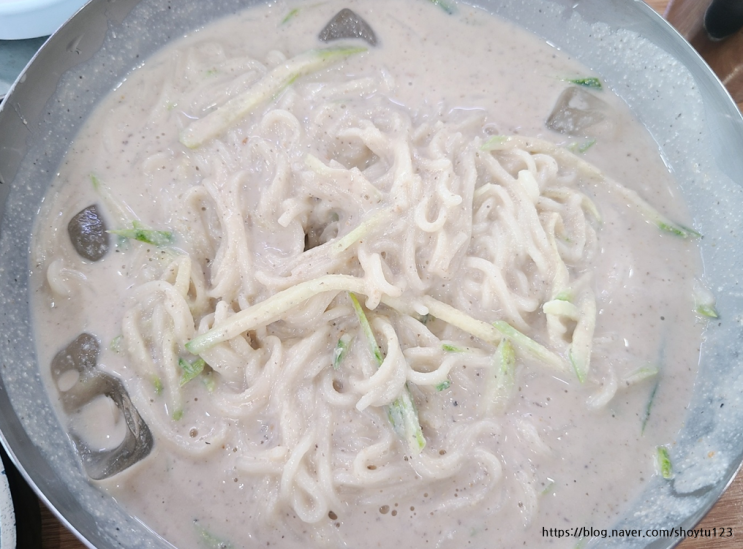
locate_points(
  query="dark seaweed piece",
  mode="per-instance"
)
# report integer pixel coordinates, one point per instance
(81, 356)
(137, 443)
(348, 24)
(575, 111)
(88, 234)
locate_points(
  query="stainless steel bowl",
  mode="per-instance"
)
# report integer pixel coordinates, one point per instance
(665, 83)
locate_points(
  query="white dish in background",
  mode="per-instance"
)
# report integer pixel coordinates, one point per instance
(14, 55)
(34, 18)
(7, 513)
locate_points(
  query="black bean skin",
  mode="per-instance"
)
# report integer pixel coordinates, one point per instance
(88, 234)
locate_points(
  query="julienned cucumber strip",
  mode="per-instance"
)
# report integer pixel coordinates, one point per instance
(578, 367)
(547, 490)
(454, 348)
(590, 82)
(649, 406)
(708, 310)
(148, 236)
(528, 344)
(278, 78)
(356, 234)
(270, 310)
(663, 462)
(704, 301)
(291, 15)
(445, 5)
(190, 370)
(366, 329)
(341, 350)
(117, 344)
(501, 378)
(580, 346)
(402, 412)
(642, 373)
(404, 418)
(490, 333)
(565, 295)
(443, 386)
(580, 147)
(209, 540)
(560, 307)
(675, 228)
(449, 348)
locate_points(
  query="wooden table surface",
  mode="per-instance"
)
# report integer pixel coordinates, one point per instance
(726, 514)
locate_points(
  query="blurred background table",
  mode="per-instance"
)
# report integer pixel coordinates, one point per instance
(727, 513)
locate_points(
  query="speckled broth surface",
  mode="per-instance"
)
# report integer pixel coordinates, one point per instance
(599, 460)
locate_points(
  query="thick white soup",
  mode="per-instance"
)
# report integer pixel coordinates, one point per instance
(429, 285)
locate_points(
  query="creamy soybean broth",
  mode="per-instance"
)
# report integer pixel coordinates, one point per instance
(555, 457)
